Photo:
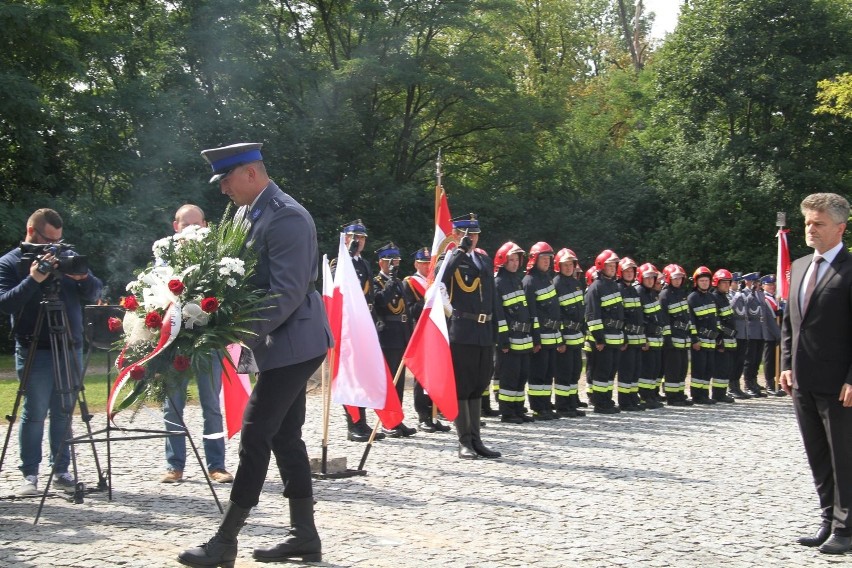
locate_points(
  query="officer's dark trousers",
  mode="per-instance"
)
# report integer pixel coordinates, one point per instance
(701, 373)
(752, 361)
(422, 402)
(602, 366)
(272, 423)
(473, 366)
(569, 365)
(393, 357)
(628, 375)
(542, 371)
(826, 427)
(769, 362)
(739, 364)
(676, 363)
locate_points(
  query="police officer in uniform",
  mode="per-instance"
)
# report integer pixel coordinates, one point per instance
(355, 238)
(414, 288)
(604, 322)
(726, 343)
(634, 332)
(395, 327)
(469, 281)
(514, 333)
(738, 304)
(569, 363)
(771, 333)
(705, 323)
(677, 342)
(546, 332)
(754, 313)
(650, 360)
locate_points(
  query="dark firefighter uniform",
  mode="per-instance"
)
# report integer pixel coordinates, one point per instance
(629, 359)
(702, 312)
(676, 344)
(655, 328)
(604, 323)
(726, 346)
(569, 365)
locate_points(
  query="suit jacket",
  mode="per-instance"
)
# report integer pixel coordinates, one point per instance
(294, 327)
(817, 345)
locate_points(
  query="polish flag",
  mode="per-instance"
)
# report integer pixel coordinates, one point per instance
(236, 390)
(782, 271)
(428, 353)
(333, 301)
(361, 377)
(443, 223)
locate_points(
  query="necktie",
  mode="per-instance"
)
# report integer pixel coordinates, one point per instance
(812, 282)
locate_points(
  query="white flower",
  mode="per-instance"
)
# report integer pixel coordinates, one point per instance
(161, 246)
(156, 294)
(231, 282)
(193, 315)
(228, 266)
(135, 329)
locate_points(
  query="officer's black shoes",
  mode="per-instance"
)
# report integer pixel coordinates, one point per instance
(221, 550)
(427, 426)
(631, 408)
(779, 393)
(728, 399)
(303, 542)
(404, 430)
(467, 453)
(704, 401)
(679, 402)
(836, 544)
(363, 434)
(511, 419)
(653, 404)
(570, 413)
(607, 409)
(527, 418)
(441, 427)
(544, 415)
(484, 452)
(738, 394)
(818, 538)
(490, 412)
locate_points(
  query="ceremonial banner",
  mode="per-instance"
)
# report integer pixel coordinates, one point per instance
(782, 271)
(443, 224)
(428, 354)
(361, 377)
(236, 390)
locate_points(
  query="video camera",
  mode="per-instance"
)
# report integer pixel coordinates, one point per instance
(66, 259)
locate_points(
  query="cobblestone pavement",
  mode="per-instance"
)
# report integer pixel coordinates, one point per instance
(726, 486)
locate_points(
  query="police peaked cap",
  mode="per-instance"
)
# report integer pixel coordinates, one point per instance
(751, 276)
(737, 276)
(422, 255)
(467, 222)
(355, 227)
(768, 279)
(388, 252)
(225, 159)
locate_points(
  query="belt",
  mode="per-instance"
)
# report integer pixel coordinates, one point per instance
(728, 331)
(682, 325)
(634, 329)
(613, 323)
(549, 324)
(708, 333)
(520, 326)
(572, 325)
(403, 318)
(654, 330)
(478, 318)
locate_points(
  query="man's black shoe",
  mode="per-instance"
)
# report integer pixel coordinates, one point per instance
(817, 539)
(739, 394)
(490, 412)
(484, 452)
(607, 410)
(441, 427)
(511, 419)
(679, 402)
(727, 399)
(405, 430)
(467, 453)
(836, 544)
(582, 404)
(426, 426)
(707, 401)
(527, 418)
(361, 436)
(544, 415)
(630, 408)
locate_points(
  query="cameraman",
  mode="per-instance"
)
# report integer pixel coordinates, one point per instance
(21, 291)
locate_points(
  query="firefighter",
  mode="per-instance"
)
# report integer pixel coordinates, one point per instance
(414, 288)
(705, 331)
(676, 343)
(604, 323)
(355, 238)
(569, 363)
(514, 334)
(650, 359)
(726, 343)
(634, 333)
(546, 331)
(395, 331)
(469, 282)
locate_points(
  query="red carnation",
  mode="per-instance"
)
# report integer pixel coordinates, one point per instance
(153, 320)
(114, 325)
(176, 287)
(129, 303)
(137, 372)
(181, 362)
(210, 304)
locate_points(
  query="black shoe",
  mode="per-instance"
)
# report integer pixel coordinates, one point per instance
(836, 544)
(309, 550)
(441, 427)
(653, 405)
(570, 413)
(738, 394)
(426, 426)
(511, 419)
(607, 409)
(484, 452)
(467, 453)
(780, 392)
(544, 415)
(215, 552)
(527, 418)
(818, 538)
(405, 430)
(582, 404)
(678, 402)
(726, 399)
(391, 433)
(707, 401)
(630, 408)
(363, 435)
(490, 412)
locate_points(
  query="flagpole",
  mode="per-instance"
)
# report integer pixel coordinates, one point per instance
(780, 222)
(376, 426)
(326, 408)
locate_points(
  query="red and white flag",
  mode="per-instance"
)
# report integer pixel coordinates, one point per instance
(428, 354)
(361, 377)
(333, 301)
(236, 390)
(443, 223)
(782, 271)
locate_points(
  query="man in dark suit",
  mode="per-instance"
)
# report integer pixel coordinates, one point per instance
(816, 363)
(290, 342)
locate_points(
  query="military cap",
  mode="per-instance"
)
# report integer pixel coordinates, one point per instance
(225, 159)
(388, 252)
(737, 276)
(751, 276)
(768, 279)
(422, 255)
(355, 227)
(467, 222)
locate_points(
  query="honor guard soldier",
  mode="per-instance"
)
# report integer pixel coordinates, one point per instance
(414, 288)
(676, 343)
(395, 327)
(572, 310)
(546, 332)
(754, 314)
(514, 334)
(705, 323)
(738, 305)
(469, 280)
(726, 343)
(604, 322)
(771, 334)
(653, 321)
(355, 238)
(634, 333)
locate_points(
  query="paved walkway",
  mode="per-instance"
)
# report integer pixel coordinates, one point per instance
(697, 487)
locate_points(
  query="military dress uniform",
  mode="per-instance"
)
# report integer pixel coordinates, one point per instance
(676, 344)
(395, 328)
(754, 352)
(651, 359)
(771, 336)
(738, 305)
(705, 325)
(569, 364)
(629, 359)
(472, 327)
(604, 324)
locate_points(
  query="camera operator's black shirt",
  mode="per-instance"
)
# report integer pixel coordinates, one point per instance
(21, 291)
